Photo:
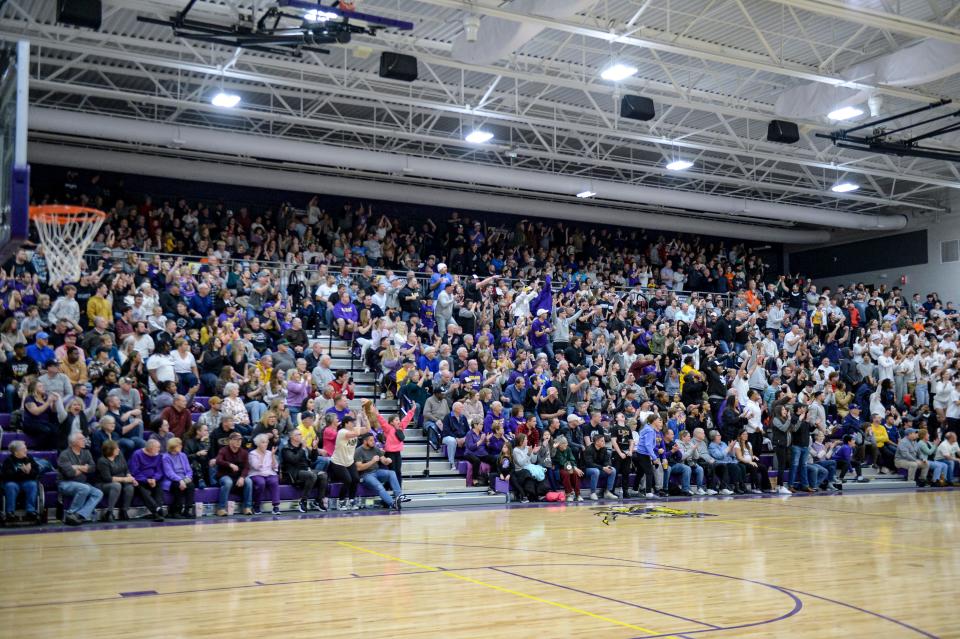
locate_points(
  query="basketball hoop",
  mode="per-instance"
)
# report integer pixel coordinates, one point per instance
(65, 233)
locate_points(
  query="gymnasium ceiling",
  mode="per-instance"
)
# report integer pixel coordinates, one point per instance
(713, 67)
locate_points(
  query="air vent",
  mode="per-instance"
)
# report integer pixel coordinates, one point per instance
(950, 251)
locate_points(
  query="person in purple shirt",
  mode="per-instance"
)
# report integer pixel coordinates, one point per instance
(476, 451)
(495, 415)
(146, 466)
(644, 454)
(340, 407)
(428, 315)
(345, 314)
(178, 479)
(539, 335)
(844, 456)
(471, 378)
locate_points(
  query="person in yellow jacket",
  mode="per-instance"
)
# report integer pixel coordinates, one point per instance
(886, 450)
(99, 305)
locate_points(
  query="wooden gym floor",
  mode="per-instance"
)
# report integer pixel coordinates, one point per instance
(836, 566)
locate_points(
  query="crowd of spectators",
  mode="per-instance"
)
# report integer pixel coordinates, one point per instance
(552, 356)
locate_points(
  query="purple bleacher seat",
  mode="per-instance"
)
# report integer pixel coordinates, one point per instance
(9, 438)
(203, 401)
(5, 420)
(466, 468)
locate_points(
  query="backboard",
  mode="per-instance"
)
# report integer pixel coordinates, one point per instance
(14, 171)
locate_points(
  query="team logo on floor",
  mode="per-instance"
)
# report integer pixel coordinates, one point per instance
(610, 514)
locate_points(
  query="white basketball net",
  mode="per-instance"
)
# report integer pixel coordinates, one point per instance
(65, 238)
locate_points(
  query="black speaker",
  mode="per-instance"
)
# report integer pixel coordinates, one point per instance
(635, 107)
(80, 13)
(398, 66)
(783, 131)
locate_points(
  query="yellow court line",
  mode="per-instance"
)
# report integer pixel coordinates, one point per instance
(509, 591)
(882, 544)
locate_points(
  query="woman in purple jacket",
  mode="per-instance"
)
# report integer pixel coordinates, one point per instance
(146, 466)
(476, 449)
(178, 479)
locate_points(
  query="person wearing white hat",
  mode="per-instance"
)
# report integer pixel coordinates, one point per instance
(439, 280)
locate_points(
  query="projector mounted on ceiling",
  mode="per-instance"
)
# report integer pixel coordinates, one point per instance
(290, 27)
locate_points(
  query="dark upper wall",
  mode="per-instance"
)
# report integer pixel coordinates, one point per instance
(892, 251)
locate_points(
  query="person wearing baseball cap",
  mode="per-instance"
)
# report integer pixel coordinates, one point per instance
(40, 351)
(439, 280)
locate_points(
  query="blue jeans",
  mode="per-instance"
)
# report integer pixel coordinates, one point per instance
(816, 474)
(185, 381)
(83, 497)
(939, 468)
(831, 466)
(798, 465)
(128, 445)
(377, 478)
(29, 489)
(226, 485)
(685, 473)
(593, 476)
(451, 443)
(256, 410)
(321, 463)
(11, 395)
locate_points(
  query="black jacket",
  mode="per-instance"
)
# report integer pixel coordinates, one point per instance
(593, 458)
(12, 469)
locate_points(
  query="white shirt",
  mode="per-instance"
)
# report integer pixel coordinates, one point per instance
(753, 417)
(946, 449)
(144, 345)
(163, 366)
(885, 365)
(742, 386)
(182, 364)
(953, 405)
(791, 342)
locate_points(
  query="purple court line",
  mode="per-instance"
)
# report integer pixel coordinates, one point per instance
(598, 596)
(138, 593)
(257, 584)
(875, 614)
(798, 604)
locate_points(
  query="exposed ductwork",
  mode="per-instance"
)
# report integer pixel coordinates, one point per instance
(183, 169)
(499, 37)
(244, 145)
(918, 64)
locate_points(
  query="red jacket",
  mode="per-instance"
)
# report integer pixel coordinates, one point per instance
(179, 420)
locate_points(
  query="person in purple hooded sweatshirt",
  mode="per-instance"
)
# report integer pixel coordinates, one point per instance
(539, 335)
(345, 314)
(475, 446)
(146, 466)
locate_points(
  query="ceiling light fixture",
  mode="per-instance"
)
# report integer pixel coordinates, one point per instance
(846, 113)
(585, 194)
(225, 100)
(679, 165)
(617, 72)
(844, 187)
(478, 136)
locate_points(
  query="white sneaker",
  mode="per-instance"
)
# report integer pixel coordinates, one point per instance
(754, 491)
(579, 497)
(726, 491)
(783, 490)
(701, 491)
(608, 495)
(593, 497)
(651, 495)
(570, 497)
(711, 491)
